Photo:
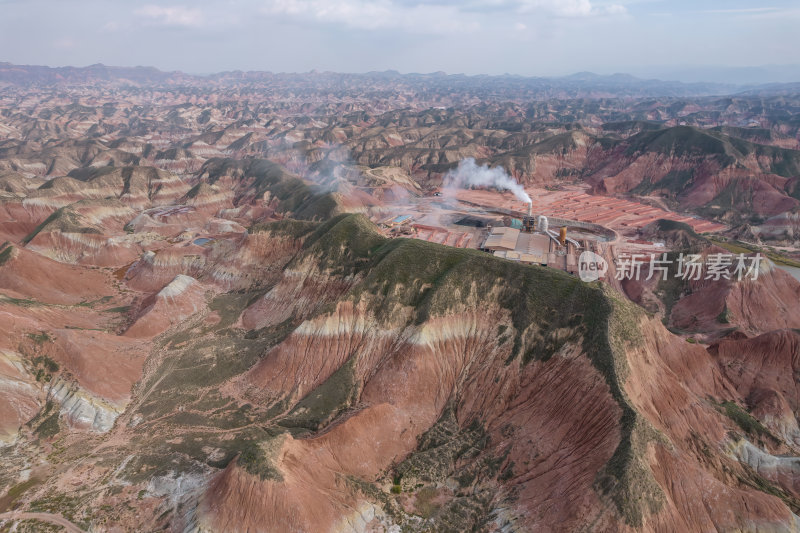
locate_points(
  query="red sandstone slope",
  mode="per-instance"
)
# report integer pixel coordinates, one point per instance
(32, 275)
(770, 302)
(56, 346)
(699, 169)
(546, 431)
(417, 395)
(763, 369)
(672, 383)
(179, 299)
(555, 420)
(666, 379)
(437, 363)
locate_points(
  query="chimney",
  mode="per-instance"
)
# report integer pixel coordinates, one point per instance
(530, 208)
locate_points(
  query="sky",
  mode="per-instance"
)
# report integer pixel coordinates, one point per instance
(670, 39)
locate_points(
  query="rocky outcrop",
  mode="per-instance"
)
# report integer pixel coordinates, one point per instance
(80, 409)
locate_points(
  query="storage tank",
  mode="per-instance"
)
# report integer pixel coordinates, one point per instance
(562, 236)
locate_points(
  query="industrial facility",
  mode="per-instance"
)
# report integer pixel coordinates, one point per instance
(521, 236)
(552, 230)
(529, 240)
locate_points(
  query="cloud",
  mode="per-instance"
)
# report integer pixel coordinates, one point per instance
(741, 10)
(755, 14)
(570, 8)
(429, 16)
(434, 18)
(764, 13)
(172, 15)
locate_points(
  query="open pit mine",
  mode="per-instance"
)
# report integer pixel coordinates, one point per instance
(266, 303)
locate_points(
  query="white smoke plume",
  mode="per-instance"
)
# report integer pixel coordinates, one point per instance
(469, 173)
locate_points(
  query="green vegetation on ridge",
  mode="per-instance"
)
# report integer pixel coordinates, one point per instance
(403, 282)
(436, 280)
(65, 220)
(687, 141)
(263, 175)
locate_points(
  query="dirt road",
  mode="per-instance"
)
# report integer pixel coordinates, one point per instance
(44, 517)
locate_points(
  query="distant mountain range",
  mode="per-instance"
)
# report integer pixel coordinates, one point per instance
(582, 84)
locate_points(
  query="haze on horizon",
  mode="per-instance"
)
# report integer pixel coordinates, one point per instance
(685, 40)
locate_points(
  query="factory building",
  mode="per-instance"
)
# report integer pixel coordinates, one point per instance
(543, 247)
(501, 239)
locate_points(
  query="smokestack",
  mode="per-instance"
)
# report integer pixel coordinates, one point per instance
(530, 208)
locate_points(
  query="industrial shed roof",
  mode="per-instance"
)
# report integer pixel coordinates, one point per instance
(502, 239)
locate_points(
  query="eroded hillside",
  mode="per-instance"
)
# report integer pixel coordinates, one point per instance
(203, 329)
